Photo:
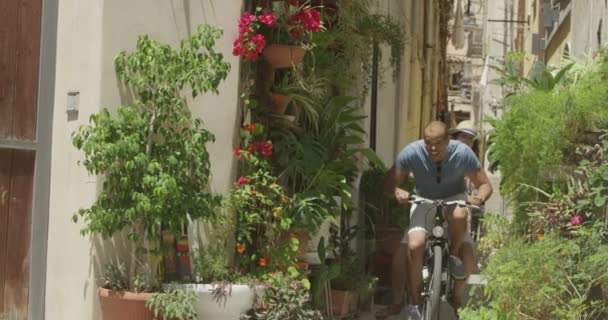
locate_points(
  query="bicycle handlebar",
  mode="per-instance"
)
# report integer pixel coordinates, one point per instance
(461, 203)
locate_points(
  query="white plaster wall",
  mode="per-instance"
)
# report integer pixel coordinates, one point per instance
(586, 17)
(90, 34)
(70, 279)
(391, 91)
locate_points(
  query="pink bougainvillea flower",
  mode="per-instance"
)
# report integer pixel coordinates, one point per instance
(246, 19)
(266, 149)
(245, 30)
(238, 152)
(268, 19)
(576, 220)
(243, 181)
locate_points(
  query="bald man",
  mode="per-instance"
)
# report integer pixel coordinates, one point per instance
(439, 167)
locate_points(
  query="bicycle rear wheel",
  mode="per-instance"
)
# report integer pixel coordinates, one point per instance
(433, 297)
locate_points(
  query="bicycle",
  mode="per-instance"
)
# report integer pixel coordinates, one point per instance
(437, 251)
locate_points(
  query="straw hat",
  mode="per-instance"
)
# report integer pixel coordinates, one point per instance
(465, 127)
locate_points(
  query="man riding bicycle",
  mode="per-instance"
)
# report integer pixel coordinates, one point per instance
(438, 166)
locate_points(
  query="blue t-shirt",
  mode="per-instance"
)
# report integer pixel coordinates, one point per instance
(458, 161)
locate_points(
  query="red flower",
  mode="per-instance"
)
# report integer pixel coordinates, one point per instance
(250, 44)
(268, 19)
(263, 262)
(304, 20)
(243, 180)
(238, 152)
(246, 19)
(266, 149)
(245, 30)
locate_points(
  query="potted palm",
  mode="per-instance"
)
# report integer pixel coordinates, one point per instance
(152, 157)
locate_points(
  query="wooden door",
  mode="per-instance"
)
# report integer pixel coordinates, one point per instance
(20, 31)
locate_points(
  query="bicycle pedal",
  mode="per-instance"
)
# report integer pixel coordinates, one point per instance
(456, 268)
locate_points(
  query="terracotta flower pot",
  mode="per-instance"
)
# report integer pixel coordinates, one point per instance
(283, 56)
(280, 103)
(343, 302)
(123, 305)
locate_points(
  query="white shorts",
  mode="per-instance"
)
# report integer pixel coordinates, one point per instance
(422, 217)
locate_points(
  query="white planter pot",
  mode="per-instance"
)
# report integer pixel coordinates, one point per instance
(240, 299)
(312, 256)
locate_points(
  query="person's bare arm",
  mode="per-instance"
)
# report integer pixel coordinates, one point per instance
(395, 177)
(480, 180)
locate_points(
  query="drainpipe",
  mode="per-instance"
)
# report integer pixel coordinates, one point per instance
(427, 85)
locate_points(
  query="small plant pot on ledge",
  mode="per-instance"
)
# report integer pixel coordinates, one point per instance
(123, 305)
(280, 103)
(281, 56)
(344, 303)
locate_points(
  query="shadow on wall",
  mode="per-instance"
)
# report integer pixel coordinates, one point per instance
(206, 7)
(104, 252)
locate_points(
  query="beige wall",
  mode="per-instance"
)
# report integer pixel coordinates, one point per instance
(555, 49)
(90, 34)
(534, 14)
(412, 102)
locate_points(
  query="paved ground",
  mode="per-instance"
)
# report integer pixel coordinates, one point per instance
(447, 313)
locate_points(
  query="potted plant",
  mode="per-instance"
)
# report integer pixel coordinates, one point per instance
(281, 95)
(222, 291)
(351, 281)
(297, 22)
(287, 297)
(257, 235)
(152, 155)
(173, 304)
(288, 25)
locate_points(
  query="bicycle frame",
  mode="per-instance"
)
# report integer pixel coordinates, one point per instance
(437, 243)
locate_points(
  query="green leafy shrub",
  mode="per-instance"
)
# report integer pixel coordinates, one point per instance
(285, 298)
(498, 234)
(483, 313)
(550, 278)
(152, 155)
(173, 304)
(540, 126)
(529, 137)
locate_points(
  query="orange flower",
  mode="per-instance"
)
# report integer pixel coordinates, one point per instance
(240, 248)
(263, 262)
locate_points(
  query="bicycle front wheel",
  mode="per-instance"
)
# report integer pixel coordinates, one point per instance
(433, 297)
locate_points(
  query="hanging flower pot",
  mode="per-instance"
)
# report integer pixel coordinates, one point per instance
(279, 103)
(282, 56)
